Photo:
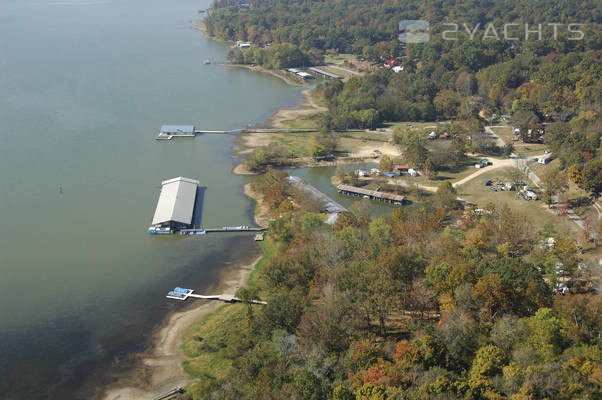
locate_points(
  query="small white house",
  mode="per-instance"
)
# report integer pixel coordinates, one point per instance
(361, 173)
(243, 45)
(304, 75)
(561, 288)
(432, 135)
(412, 172)
(375, 171)
(397, 69)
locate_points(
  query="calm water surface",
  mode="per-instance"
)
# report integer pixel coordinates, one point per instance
(85, 86)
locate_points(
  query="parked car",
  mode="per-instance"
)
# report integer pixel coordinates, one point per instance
(493, 189)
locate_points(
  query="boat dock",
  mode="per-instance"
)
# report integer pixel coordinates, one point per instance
(230, 229)
(169, 132)
(183, 294)
(371, 194)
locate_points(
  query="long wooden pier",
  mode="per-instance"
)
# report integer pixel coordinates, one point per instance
(163, 136)
(229, 229)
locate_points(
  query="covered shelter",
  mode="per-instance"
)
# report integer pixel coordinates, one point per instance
(177, 130)
(371, 194)
(176, 204)
(325, 74)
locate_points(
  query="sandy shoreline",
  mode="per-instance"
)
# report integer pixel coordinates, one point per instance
(306, 108)
(159, 369)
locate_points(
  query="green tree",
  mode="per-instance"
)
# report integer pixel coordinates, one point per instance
(554, 183)
(446, 196)
(415, 153)
(429, 169)
(487, 363)
(385, 164)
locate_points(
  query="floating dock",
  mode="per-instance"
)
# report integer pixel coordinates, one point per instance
(386, 197)
(184, 294)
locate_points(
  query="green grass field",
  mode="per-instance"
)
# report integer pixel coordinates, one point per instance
(476, 192)
(404, 126)
(522, 149)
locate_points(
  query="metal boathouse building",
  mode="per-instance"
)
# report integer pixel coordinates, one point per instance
(175, 207)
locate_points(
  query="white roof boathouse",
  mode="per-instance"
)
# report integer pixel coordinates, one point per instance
(175, 207)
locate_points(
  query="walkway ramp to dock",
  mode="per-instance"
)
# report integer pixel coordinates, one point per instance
(328, 205)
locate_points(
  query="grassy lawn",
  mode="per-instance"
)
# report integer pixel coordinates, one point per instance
(369, 136)
(540, 169)
(404, 126)
(522, 149)
(452, 174)
(339, 59)
(303, 122)
(300, 142)
(476, 192)
(505, 133)
(346, 61)
(206, 344)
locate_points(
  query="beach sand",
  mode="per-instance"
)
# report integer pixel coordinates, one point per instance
(307, 107)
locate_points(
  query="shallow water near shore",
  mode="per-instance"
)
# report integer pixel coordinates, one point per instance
(86, 85)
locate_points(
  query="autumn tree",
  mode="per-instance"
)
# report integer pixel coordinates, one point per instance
(554, 183)
(591, 177)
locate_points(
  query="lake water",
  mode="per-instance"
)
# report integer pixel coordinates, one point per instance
(319, 177)
(86, 85)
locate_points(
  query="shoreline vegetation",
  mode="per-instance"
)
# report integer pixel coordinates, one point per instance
(158, 369)
(186, 342)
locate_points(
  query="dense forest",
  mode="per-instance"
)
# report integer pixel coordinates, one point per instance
(434, 301)
(428, 303)
(549, 83)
